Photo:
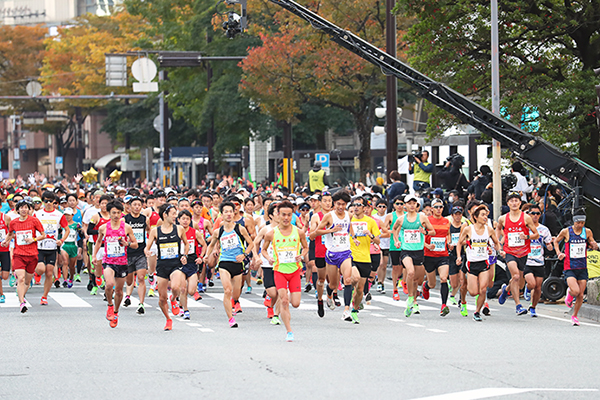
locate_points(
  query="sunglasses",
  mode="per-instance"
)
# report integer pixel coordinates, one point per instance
(358, 205)
(382, 206)
(535, 213)
(49, 201)
(398, 204)
(438, 206)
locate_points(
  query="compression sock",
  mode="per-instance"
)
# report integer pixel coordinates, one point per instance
(367, 286)
(444, 292)
(329, 291)
(347, 295)
(315, 278)
(79, 266)
(426, 285)
(92, 278)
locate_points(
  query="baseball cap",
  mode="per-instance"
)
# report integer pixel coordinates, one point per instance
(457, 210)
(315, 197)
(438, 192)
(304, 206)
(99, 193)
(513, 195)
(299, 201)
(410, 197)
(68, 211)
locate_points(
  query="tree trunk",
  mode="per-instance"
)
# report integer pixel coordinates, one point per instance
(588, 152)
(364, 123)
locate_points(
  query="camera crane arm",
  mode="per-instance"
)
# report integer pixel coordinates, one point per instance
(537, 153)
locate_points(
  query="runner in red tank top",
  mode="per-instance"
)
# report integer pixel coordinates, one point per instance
(4, 253)
(513, 228)
(319, 255)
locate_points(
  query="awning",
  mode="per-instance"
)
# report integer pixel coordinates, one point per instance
(107, 159)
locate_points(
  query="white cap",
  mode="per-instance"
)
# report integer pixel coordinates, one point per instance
(299, 201)
(410, 197)
(68, 211)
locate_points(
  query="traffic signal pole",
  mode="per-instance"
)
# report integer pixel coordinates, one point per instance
(391, 118)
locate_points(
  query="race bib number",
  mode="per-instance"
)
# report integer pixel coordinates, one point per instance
(286, 256)
(412, 236)
(340, 239)
(536, 250)
(168, 251)
(114, 248)
(48, 244)
(480, 250)
(439, 243)
(2, 235)
(192, 246)
(454, 237)
(72, 235)
(514, 240)
(139, 234)
(360, 228)
(22, 235)
(229, 241)
(577, 250)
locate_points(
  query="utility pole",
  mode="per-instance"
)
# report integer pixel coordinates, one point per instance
(391, 99)
(496, 177)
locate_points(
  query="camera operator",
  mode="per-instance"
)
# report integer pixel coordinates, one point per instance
(422, 170)
(480, 181)
(522, 185)
(452, 176)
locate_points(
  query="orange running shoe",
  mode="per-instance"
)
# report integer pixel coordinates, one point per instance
(174, 306)
(114, 321)
(37, 278)
(404, 287)
(169, 325)
(44, 301)
(396, 296)
(110, 312)
(197, 296)
(98, 281)
(268, 302)
(270, 312)
(237, 308)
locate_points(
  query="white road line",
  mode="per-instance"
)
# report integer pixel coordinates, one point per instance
(400, 303)
(12, 300)
(205, 330)
(193, 324)
(416, 325)
(69, 300)
(378, 315)
(495, 392)
(135, 302)
(437, 330)
(395, 320)
(568, 320)
(243, 302)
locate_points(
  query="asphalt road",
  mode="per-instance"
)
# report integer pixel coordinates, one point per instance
(67, 350)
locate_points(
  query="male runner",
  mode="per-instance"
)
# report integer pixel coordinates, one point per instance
(4, 255)
(384, 243)
(436, 254)
(154, 220)
(194, 259)
(456, 275)
(97, 220)
(325, 205)
(69, 248)
(397, 268)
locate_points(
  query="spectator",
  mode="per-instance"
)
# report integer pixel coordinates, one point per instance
(522, 185)
(397, 187)
(422, 171)
(452, 176)
(480, 181)
(317, 179)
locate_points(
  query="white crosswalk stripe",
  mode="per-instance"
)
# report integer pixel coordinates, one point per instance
(12, 300)
(68, 300)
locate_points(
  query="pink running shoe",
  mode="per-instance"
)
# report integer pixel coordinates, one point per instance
(574, 321)
(569, 299)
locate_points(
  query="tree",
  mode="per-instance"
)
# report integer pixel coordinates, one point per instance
(296, 65)
(547, 52)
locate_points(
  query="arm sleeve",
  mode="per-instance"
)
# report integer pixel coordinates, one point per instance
(426, 168)
(91, 229)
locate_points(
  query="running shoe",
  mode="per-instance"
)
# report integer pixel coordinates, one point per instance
(23, 308)
(445, 311)
(307, 288)
(416, 309)
(336, 300)
(237, 307)
(463, 310)
(141, 309)
(275, 320)
(37, 278)
(197, 296)
(169, 325)
(330, 303)
(382, 288)
(340, 287)
(527, 294)
(90, 285)
(354, 316)
(320, 308)
(569, 299)
(521, 310)
(151, 292)
(289, 337)
(396, 295)
(85, 271)
(2, 299)
(114, 321)
(486, 309)
(110, 312)
(361, 306)
(532, 312)
(477, 317)
(270, 312)
(425, 291)
(127, 302)
(259, 281)
(409, 311)
(103, 285)
(98, 280)
(57, 283)
(200, 287)
(174, 306)
(404, 287)
(379, 287)
(65, 283)
(77, 278)
(267, 302)
(94, 291)
(69, 283)
(368, 298)
(232, 323)
(503, 295)
(249, 290)
(346, 316)
(12, 280)
(211, 284)
(574, 320)
(453, 300)
(43, 301)
(186, 315)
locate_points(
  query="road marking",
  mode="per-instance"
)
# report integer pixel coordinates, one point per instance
(69, 300)
(395, 320)
(494, 392)
(401, 303)
(416, 325)
(378, 315)
(568, 320)
(12, 300)
(193, 324)
(135, 302)
(437, 330)
(243, 302)
(205, 330)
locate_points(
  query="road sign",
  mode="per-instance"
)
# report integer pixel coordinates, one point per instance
(157, 123)
(323, 158)
(33, 89)
(22, 144)
(144, 70)
(59, 163)
(16, 164)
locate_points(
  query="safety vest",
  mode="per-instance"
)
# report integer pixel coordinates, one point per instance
(421, 175)
(315, 180)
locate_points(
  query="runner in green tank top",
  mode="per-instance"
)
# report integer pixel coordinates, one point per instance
(412, 227)
(397, 270)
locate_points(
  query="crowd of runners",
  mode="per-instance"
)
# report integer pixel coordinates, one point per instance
(174, 244)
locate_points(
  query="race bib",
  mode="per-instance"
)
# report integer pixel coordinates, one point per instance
(286, 256)
(439, 243)
(454, 237)
(192, 244)
(22, 235)
(168, 251)
(536, 250)
(72, 235)
(480, 250)
(577, 250)
(114, 248)
(229, 241)
(412, 236)
(514, 240)
(360, 228)
(48, 244)
(2, 235)
(340, 239)
(139, 234)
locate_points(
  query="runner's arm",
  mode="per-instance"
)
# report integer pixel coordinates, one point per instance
(186, 244)
(499, 229)
(101, 233)
(132, 240)
(396, 231)
(266, 242)
(151, 239)
(529, 223)
(304, 243)
(248, 239)
(590, 238)
(213, 242)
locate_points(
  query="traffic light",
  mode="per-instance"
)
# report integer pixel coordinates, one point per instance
(380, 113)
(245, 157)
